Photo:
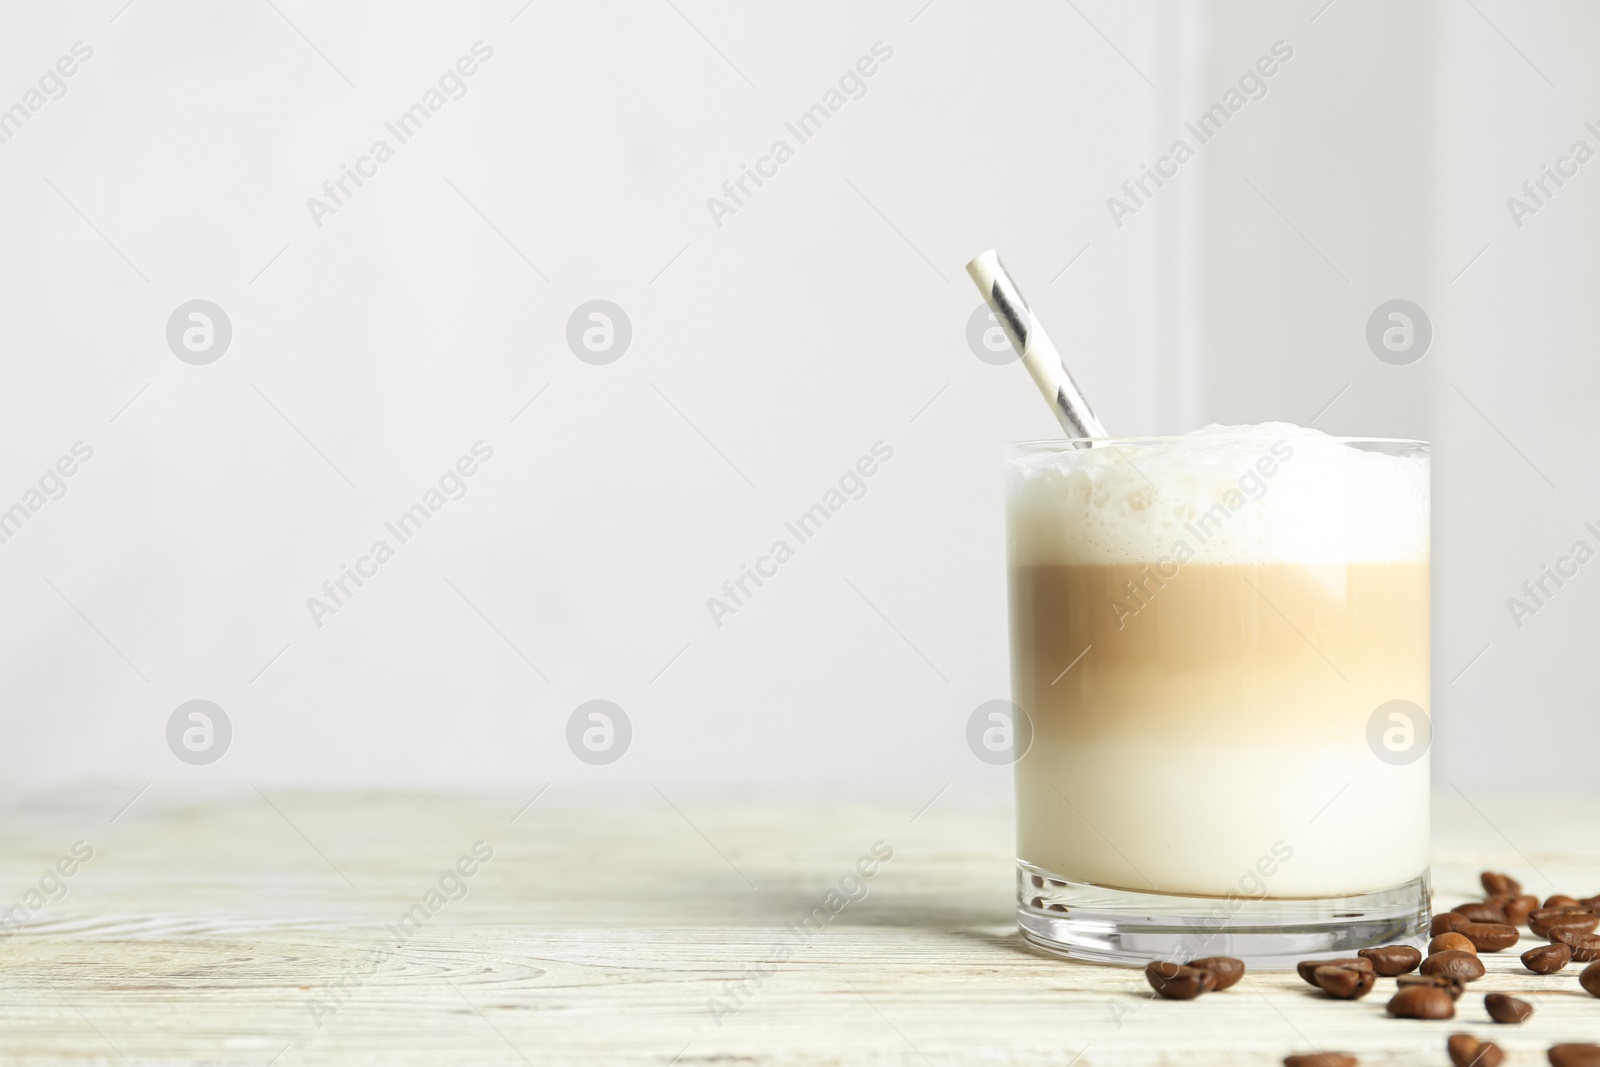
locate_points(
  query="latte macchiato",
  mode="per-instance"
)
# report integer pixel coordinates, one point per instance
(1203, 631)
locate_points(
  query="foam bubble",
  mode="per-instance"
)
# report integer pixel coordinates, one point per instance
(1270, 493)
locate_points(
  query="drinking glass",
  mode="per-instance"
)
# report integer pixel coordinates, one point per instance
(1220, 671)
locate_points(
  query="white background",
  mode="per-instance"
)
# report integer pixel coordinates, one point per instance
(768, 354)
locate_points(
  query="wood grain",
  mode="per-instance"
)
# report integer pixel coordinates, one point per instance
(205, 931)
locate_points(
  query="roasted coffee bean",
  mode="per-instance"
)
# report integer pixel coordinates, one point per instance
(1227, 969)
(1320, 1059)
(1560, 900)
(1490, 937)
(1583, 920)
(1589, 978)
(1591, 902)
(1489, 1055)
(1548, 959)
(1467, 1051)
(1307, 968)
(1518, 909)
(1454, 964)
(1455, 940)
(1177, 982)
(1453, 986)
(1504, 1009)
(1345, 983)
(1446, 921)
(1481, 913)
(1495, 883)
(1585, 947)
(1422, 1002)
(1392, 960)
(1574, 1055)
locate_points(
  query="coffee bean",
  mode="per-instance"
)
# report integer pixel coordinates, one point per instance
(1228, 970)
(1446, 921)
(1583, 920)
(1320, 1059)
(1591, 902)
(1454, 964)
(1455, 940)
(1307, 968)
(1548, 959)
(1574, 1055)
(1589, 978)
(1345, 983)
(1467, 1051)
(1453, 986)
(1490, 937)
(1585, 947)
(1422, 1002)
(1177, 982)
(1518, 909)
(1494, 883)
(1504, 1009)
(1392, 960)
(1560, 900)
(1481, 913)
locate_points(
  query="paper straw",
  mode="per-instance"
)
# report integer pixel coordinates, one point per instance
(1033, 345)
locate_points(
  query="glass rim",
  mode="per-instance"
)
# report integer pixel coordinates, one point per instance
(1063, 443)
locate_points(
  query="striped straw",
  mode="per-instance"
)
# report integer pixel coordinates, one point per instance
(1033, 345)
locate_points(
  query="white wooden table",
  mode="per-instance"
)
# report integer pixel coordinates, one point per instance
(209, 931)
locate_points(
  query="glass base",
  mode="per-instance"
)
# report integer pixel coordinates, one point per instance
(1091, 922)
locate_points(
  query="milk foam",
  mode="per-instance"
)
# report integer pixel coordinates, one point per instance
(1270, 493)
